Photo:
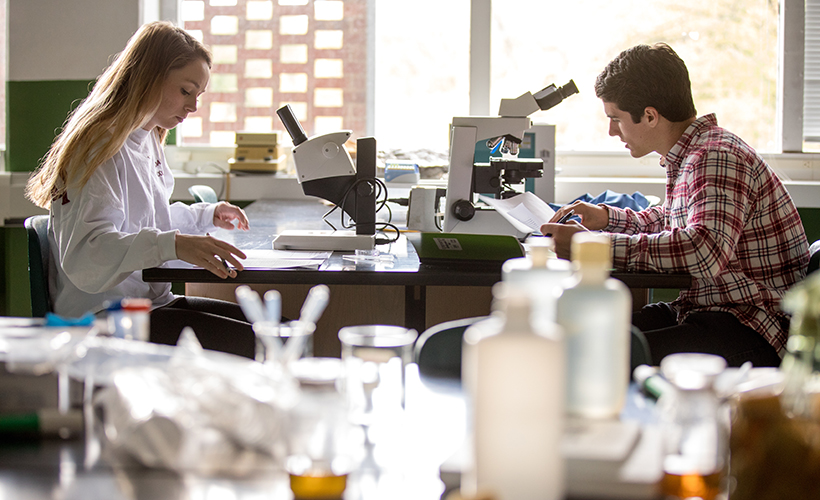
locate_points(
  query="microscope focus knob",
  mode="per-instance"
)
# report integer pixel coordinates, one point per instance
(365, 189)
(330, 150)
(463, 210)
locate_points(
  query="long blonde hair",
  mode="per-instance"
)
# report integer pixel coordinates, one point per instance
(124, 98)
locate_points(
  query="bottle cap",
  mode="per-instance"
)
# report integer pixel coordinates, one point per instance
(135, 304)
(540, 250)
(592, 248)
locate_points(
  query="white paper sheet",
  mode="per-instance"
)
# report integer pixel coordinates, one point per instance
(526, 212)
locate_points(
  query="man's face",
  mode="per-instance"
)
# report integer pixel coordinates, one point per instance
(637, 136)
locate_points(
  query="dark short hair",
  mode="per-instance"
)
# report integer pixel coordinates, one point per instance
(646, 76)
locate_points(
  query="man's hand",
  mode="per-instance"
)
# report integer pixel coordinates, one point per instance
(225, 214)
(562, 235)
(209, 253)
(593, 217)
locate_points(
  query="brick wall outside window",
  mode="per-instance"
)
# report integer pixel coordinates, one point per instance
(311, 54)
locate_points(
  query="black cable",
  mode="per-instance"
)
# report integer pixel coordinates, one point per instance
(380, 190)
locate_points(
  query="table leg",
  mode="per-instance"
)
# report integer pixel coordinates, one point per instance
(415, 307)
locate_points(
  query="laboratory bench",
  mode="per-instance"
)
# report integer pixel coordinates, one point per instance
(401, 292)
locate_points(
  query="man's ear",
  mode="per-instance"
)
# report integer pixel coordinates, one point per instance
(652, 116)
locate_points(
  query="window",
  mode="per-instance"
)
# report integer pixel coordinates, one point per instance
(731, 54)
(422, 74)
(422, 71)
(408, 68)
(267, 53)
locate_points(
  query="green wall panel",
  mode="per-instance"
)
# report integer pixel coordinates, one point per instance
(36, 112)
(16, 296)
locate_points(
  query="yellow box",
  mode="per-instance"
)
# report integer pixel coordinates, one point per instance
(256, 153)
(257, 138)
(253, 165)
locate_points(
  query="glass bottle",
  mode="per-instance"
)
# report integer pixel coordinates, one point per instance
(320, 451)
(695, 432)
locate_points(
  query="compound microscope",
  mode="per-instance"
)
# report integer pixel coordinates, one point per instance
(503, 133)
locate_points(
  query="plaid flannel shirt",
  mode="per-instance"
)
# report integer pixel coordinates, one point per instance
(727, 221)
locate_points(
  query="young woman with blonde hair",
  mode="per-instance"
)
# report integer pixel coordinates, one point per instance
(107, 185)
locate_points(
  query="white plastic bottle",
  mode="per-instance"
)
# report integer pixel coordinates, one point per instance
(595, 312)
(515, 381)
(543, 275)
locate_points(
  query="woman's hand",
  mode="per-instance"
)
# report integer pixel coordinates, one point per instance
(225, 214)
(210, 253)
(593, 217)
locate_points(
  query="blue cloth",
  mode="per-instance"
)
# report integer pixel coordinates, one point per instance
(55, 320)
(636, 201)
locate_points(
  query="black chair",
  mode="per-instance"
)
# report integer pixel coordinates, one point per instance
(814, 253)
(438, 349)
(38, 253)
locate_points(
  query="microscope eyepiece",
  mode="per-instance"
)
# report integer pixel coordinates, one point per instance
(552, 95)
(292, 125)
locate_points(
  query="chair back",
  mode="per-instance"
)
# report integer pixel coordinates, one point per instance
(203, 193)
(38, 254)
(438, 349)
(814, 254)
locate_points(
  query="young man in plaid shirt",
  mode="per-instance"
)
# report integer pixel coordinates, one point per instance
(727, 219)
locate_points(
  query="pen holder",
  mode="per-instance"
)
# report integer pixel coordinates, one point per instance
(284, 342)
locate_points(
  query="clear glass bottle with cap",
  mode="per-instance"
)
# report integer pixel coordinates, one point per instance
(595, 312)
(515, 381)
(695, 430)
(320, 451)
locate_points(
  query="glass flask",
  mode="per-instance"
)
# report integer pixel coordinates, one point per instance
(696, 432)
(320, 451)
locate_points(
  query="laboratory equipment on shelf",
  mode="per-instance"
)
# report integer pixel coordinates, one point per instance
(504, 134)
(325, 169)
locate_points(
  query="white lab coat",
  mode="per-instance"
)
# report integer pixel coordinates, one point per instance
(102, 236)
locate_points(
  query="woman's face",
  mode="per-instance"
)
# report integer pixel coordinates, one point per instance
(179, 95)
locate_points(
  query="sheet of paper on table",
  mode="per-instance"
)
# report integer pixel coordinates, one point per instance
(283, 259)
(526, 212)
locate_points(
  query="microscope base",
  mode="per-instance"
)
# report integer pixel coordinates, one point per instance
(487, 221)
(324, 240)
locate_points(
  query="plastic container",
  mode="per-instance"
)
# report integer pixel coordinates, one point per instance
(595, 313)
(542, 275)
(131, 320)
(515, 381)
